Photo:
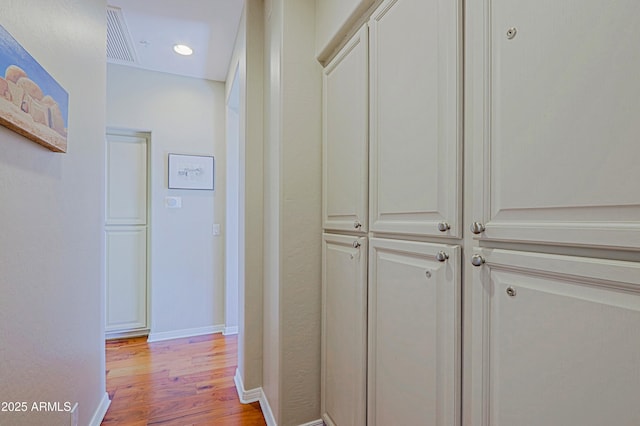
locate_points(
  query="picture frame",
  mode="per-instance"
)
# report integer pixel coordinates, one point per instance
(191, 172)
(32, 103)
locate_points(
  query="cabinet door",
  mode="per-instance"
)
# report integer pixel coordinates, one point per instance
(126, 276)
(414, 334)
(555, 100)
(345, 138)
(344, 330)
(415, 155)
(556, 340)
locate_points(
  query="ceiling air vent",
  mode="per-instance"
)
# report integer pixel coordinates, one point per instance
(119, 45)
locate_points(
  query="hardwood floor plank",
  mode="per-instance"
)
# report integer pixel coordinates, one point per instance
(176, 383)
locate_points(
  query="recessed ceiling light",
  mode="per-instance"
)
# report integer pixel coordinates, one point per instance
(182, 49)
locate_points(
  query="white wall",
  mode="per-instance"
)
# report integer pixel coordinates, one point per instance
(52, 243)
(232, 233)
(292, 213)
(184, 116)
(248, 59)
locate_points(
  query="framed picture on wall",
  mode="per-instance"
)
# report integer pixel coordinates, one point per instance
(191, 172)
(32, 103)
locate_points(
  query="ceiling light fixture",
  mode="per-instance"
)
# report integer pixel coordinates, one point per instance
(182, 49)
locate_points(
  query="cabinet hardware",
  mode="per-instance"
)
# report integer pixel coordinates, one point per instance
(427, 274)
(442, 256)
(477, 260)
(356, 244)
(511, 33)
(443, 227)
(511, 291)
(357, 225)
(477, 228)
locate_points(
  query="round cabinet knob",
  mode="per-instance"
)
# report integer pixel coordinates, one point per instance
(356, 244)
(477, 260)
(442, 256)
(477, 228)
(443, 227)
(357, 225)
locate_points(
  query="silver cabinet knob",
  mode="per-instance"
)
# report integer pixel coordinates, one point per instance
(356, 244)
(477, 228)
(357, 224)
(477, 260)
(441, 256)
(443, 227)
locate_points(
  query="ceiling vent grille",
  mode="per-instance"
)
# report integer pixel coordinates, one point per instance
(119, 45)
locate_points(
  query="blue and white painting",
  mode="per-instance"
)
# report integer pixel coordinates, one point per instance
(32, 103)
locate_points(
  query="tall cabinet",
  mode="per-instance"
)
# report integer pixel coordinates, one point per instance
(553, 274)
(392, 131)
(533, 215)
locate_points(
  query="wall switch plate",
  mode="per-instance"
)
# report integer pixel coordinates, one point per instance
(216, 229)
(173, 202)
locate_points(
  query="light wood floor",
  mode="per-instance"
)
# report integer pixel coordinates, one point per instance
(176, 382)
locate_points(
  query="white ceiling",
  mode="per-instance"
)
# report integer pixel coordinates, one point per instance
(209, 27)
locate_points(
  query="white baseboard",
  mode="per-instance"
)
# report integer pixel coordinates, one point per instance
(246, 396)
(257, 394)
(188, 332)
(318, 422)
(230, 330)
(98, 416)
(253, 395)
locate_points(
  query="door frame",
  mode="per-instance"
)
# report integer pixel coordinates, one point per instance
(116, 131)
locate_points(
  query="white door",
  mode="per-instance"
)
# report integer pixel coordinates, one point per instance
(415, 117)
(554, 101)
(344, 330)
(345, 138)
(414, 334)
(126, 233)
(556, 340)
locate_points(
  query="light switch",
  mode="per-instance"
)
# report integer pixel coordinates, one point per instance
(173, 202)
(216, 229)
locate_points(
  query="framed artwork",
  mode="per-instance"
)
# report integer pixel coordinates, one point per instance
(32, 103)
(191, 172)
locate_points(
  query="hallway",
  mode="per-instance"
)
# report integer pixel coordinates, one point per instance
(176, 382)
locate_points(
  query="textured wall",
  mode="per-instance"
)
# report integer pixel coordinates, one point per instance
(51, 243)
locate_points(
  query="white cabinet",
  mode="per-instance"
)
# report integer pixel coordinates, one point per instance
(345, 138)
(557, 340)
(414, 333)
(126, 234)
(555, 101)
(415, 117)
(344, 330)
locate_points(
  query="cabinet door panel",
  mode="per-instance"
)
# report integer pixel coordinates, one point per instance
(414, 334)
(560, 337)
(415, 117)
(560, 134)
(126, 276)
(344, 330)
(345, 137)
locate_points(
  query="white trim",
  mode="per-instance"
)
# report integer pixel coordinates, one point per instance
(318, 422)
(253, 395)
(188, 332)
(266, 410)
(246, 396)
(110, 335)
(230, 330)
(100, 412)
